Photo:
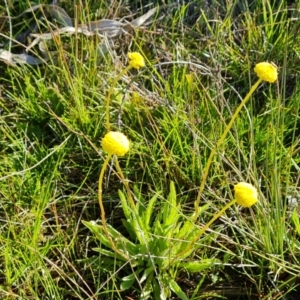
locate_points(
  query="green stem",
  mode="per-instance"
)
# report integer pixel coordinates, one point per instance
(100, 185)
(125, 182)
(110, 93)
(220, 141)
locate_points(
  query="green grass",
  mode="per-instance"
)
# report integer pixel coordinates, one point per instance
(174, 111)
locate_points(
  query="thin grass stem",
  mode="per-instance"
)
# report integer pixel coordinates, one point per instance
(100, 185)
(108, 98)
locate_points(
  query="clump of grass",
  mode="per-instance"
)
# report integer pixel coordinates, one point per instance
(174, 112)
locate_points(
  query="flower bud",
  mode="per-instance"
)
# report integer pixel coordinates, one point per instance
(136, 60)
(266, 71)
(245, 194)
(115, 143)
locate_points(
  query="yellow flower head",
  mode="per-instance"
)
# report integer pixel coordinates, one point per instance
(266, 71)
(136, 60)
(245, 194)
(115, 143)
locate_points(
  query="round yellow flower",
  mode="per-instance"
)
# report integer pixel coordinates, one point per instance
(266, 71)
(115, 143)
(245, 194)
(136, 60)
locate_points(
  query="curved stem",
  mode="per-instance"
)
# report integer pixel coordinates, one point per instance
(125, 182)
(110, 93)
(220, 141)
(100, 184)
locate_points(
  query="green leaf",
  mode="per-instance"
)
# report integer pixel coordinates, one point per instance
(171, 210)
(148, 288)
(197, 266)
(140, 204)
(201, 210)
(134, 220)
(163, 280)
(148, 213)
(125, 207)
(121, 242)
(295, 218)
(159, 242)
(112, 254)
(127, 281)
(146, 273)
(98, 232)
(189, 225)
(177, 290)
(156, 290)
(129, 229)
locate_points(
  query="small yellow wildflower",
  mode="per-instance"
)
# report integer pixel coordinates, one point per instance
(266, 71)
(245, 194)
(115, 143)
(136, 60)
